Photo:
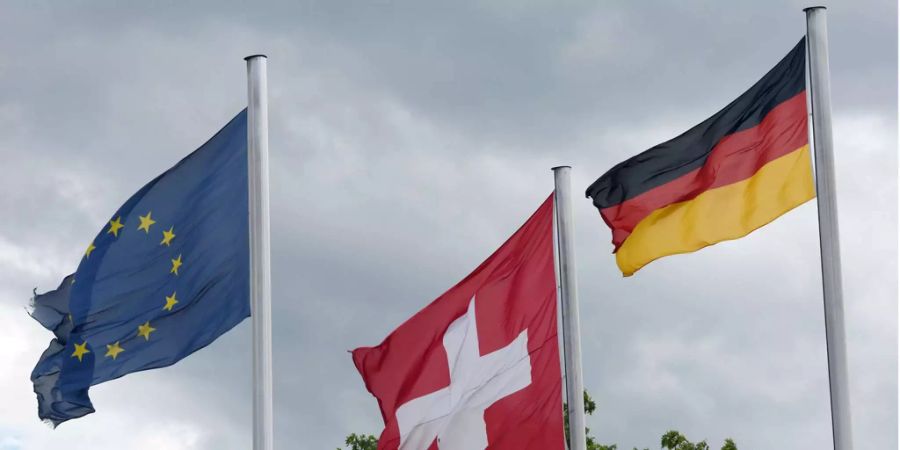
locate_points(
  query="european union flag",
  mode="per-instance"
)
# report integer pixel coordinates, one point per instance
(166, 276)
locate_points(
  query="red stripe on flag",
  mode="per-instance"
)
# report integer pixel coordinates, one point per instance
(735, 158)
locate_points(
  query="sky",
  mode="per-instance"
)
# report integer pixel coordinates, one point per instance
(407, 141)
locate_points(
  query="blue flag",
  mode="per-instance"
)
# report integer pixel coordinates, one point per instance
(166, 276)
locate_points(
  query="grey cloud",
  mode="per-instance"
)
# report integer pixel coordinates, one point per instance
(407, 142)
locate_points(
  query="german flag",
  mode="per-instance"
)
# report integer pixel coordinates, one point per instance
(738, 170)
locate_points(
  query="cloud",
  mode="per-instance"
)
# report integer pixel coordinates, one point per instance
(407, 143)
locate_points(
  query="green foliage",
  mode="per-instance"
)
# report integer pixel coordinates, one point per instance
(672, 440)
(589, 407)
(361, 442)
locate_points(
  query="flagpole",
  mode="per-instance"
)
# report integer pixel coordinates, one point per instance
(820, 96)
(260, 275)
(569, 300)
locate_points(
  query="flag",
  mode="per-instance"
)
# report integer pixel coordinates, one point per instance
(164, 277)
(479, 365)
(738, 170)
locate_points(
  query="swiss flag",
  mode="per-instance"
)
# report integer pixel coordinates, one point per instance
(479, 367)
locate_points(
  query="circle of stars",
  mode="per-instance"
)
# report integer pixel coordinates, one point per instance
(144, 330)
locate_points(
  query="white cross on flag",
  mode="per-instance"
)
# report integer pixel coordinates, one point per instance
(478, 367)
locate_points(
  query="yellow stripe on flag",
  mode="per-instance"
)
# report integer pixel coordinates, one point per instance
(720, 214)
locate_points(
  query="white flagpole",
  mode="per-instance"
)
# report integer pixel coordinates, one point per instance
(260, 275)
(569, 300)
(820, 96)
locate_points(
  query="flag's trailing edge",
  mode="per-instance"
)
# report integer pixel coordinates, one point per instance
(733, 173)
(166, 276)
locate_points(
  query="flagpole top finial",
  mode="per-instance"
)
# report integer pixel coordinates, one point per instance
(814, 7)
(258, 55)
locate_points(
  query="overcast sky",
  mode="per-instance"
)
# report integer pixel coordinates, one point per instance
(407, 142)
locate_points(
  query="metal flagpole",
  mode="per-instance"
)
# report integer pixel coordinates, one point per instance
(820, 99)
(569, 299)
(260, 276)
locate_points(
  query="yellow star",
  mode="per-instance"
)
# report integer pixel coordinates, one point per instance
(168, 236)
(80, 351)
(145, 329)
(146, 221)
(115, 225)
(87, 253)
(113, 350)
(176, 263)
(170, 303)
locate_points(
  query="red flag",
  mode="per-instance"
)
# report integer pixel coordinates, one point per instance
(478, 367)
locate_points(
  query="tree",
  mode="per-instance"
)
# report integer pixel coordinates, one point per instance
(361, 442)
(589, 407)
(672, 440)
